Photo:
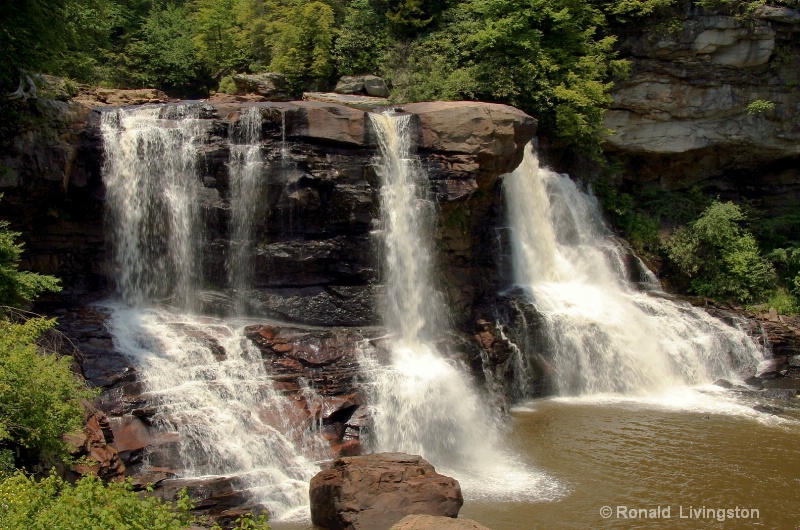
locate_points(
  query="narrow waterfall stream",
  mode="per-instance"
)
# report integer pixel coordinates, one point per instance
(602, 333)
(150, 174)
(208, 380)
(247, 183)
(423, 403)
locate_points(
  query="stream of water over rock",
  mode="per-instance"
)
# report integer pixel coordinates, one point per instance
(602, 332)
(208, 381)
(424, 403)
(247, 183)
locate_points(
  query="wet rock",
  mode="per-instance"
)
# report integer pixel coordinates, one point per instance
(95, 444)
(754, 382)
(490, 341)
(429, 522)
(373, 492)
(780, 393)
(723, 383)
(220, 498)
(334, 305)
(794, 361)
(768, 409)
(771, 368)
(786, 383)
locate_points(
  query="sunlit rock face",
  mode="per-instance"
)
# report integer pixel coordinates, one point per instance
(683, 115)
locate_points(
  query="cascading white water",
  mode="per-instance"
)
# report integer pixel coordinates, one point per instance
(422, 403)
(604, 335)
(207, 379)
(150, 174)
(246, 169)
(212, 390)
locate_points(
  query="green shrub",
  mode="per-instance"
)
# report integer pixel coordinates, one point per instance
(721, 259)
(760, 106)
(227, 86)
(40, 397)
(53, 503)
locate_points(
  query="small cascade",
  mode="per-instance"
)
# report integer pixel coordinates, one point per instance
(150, 174)
(246, 173)
(212, 390)
(602, 333)
(284, 145)
(423, 403)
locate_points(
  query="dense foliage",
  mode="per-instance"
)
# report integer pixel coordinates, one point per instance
(89, 503)
(720, 257)
(40, 397)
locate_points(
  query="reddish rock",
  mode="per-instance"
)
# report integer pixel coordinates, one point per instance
(372, 492)
(95, 444)
(489, 340)
(494, 133)
(429, 522)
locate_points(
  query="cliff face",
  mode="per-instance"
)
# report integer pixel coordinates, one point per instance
(685, 115)
(314, 256)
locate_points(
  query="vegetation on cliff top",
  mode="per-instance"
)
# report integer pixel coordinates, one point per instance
(552, 58)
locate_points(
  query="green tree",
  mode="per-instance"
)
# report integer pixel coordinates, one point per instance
(163, 53)
(19, 287)
(219, 36)
(548, 57)
(361, 40)
(51, 36)
(720, 258)
(40, 397)
(304, 45)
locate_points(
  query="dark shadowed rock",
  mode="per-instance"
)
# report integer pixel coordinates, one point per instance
(723, 383)
(373, 492)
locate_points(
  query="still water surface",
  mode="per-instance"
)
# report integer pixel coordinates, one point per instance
(694, 449)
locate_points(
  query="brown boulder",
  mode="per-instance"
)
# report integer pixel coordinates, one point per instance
(429, 522)
(494, 133)
(372, 492)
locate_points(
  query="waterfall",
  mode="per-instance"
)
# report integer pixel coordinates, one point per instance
(150, 174)
(246, 169)
(212, 390)
(603, 334)
(214, 398)
(423, 403)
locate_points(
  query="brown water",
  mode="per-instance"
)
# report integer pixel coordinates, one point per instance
(629, 454)
(687, 452)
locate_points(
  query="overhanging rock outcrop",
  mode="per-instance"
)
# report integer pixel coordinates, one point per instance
(711, 100)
